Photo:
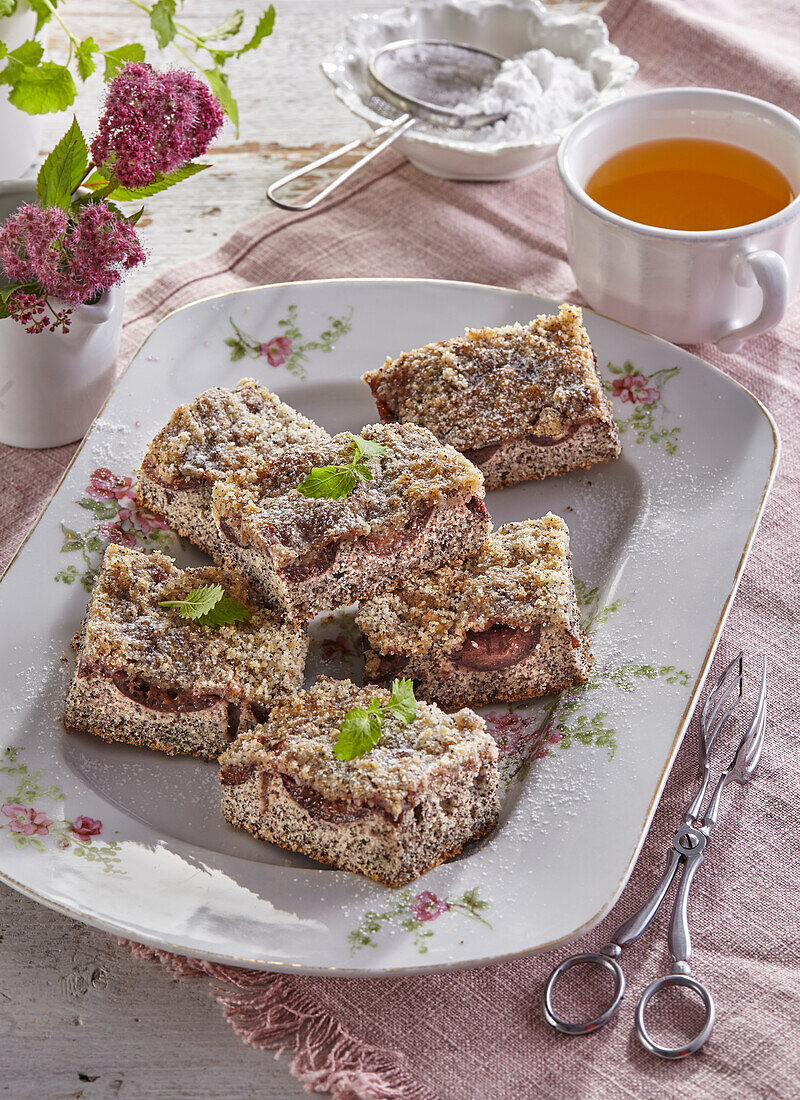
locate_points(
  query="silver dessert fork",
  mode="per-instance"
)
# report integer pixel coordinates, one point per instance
(688, 848)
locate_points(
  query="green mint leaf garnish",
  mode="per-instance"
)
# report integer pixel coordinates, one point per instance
(358, 733)
(208, 606)
(227, 611)
(198, 603)
(335, 482)
(368, 447)
(402, 705)
(63, 170)
(360, 730)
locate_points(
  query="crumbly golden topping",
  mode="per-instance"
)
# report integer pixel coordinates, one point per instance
(225, 430)
(495, 384)
(126, 631)
(299, 738)
(265, 509)
(522, 577)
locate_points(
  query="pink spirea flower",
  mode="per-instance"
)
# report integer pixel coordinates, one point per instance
(153, 123)
(635, 387)
(426, 906)
(277, 350)
(25, 820)
(86, 827)
(73, 259)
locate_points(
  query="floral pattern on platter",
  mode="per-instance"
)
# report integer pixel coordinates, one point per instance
(28, 826)
(524, 734)
(413, 914)
(630, 386)
(287, 349)
(119, 518)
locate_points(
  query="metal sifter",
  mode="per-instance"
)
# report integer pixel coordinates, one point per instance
(414, 80)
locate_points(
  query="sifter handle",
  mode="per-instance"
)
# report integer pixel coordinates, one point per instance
(392, 131)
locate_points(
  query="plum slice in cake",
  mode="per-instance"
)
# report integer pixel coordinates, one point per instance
(147, 676)
(216, 433)
(425, 789)
(521, 401)
(416, 504)
(503, 626)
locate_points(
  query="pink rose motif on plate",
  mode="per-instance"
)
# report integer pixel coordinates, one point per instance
(112, 532)
(277, 350)
(103, 485)
(25, 820)
(86, 827)
(426, 906)
(635, 388)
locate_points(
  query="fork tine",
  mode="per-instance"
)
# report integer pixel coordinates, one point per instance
(748, 754)
(717, 698)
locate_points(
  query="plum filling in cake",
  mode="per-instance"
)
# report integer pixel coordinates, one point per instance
(233, 775)
(481, 455)
(166, 700)
(335, 810)
(496, 648)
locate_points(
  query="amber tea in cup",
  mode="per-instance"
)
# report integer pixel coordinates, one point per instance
(689, 184)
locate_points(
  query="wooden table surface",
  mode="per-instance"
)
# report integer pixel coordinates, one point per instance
(79, 1018)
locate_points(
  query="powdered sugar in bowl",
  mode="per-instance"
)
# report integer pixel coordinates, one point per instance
(559, 67)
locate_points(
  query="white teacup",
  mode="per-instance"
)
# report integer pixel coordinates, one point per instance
(720, 285)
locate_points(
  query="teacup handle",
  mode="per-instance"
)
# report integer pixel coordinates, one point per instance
(771, 275)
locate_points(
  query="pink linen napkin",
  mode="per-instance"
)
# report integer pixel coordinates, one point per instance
(479, 1034)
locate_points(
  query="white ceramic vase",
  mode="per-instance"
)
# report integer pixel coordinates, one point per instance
(20, 133)
(51, 384)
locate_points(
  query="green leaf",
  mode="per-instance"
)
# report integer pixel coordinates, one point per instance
(84, 53)
(226, 29)
(328, 483)
(28, 54)
(358, 733)
(7, 7)
(43, 13)
(63, 170)
(367, 448)
(219, 86)
(199, 601)
(402, 705)
(228, 610)
(42, 90)
(116, 59)
(132, 194)
(263, 30)
(162, 23)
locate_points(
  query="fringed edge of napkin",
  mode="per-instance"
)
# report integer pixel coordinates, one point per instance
(270, 1012)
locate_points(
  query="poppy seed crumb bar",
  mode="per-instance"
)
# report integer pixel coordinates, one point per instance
(148, 677)
(218, 432)
(414, 800)
(421, 506)
(504, 625)
(521, 401)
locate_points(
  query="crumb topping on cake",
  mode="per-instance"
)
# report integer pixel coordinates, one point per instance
(125, 630)
(264, 507)
(521, 578)
(299, 738)
(495, 384)
(224, 430)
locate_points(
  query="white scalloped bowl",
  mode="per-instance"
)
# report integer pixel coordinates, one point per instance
(505, 27)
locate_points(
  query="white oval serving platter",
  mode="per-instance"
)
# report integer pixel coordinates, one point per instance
(133, 841)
